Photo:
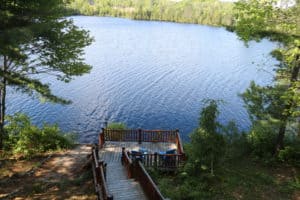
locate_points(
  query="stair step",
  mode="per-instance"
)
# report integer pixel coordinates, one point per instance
(123, 185)
(131, 197)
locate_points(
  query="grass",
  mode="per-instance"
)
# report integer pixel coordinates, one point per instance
(240, 179)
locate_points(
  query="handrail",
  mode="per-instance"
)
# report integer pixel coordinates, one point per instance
(127, 162)
(148, 185)
(101, 139)
(105, 192)
(137, 171)
(179, 144)
(99, 171)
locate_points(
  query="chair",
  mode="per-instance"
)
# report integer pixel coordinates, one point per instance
(167, 159)
(136, 155)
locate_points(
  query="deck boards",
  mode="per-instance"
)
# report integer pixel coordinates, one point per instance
(118, 184)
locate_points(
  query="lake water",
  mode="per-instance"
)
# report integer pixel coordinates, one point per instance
(153, 75)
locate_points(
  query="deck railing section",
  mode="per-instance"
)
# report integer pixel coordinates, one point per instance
(136, 170)
(99, 174)
(140, 136)
(163, 161)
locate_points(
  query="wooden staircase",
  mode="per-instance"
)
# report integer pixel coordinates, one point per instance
(121, 174)
(120, 186)
(118, 183)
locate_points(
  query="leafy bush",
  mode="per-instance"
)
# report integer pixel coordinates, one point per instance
(290, 154)
(27, 139)
(207, 144)
(262, 139)
(237, 144)
(117, 125)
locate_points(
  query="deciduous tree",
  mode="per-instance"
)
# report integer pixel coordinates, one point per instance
(279, 21)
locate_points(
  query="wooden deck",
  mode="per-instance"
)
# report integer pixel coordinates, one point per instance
(118, 184)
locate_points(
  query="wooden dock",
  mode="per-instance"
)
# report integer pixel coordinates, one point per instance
(119, 176)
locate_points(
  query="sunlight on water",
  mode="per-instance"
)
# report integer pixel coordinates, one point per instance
(153, 75)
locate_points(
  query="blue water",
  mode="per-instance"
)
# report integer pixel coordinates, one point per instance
(152, 75)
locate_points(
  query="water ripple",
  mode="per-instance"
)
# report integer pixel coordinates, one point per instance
(152, 75)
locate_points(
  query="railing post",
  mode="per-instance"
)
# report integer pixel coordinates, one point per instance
(101, 138)
(177, 135)
(155, 160)
(97, 151)
(110, 197)
(123, 155)
(140, 136)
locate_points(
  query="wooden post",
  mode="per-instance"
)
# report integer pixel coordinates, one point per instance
(177, 134)
(101, 138)
(140, 136)
(123, 155)
(155, 160)
(110, 197)
(97, 151)
(103, 133)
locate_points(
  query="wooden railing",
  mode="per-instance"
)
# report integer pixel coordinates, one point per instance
(179, 146)
(149, 187)
(140, 136)
(137, 171)
(99, 174)
(163, 161)
(126, 162)
(101, 140)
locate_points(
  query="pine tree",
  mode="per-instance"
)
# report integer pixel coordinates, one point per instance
(36, 38)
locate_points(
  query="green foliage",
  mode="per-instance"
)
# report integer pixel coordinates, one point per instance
(290, 154)
(237, 179)
(275, 106)
(256, 19)
(237, 144)
(36, 38)
(212, 12)
(262, 139)
(117, 126)
(207, 144)
(27, 139)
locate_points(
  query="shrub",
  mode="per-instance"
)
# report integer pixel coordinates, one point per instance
(207, 144)
(27, 139)
(262, 139)
(237, 144)
(117, 125)
(290, 154)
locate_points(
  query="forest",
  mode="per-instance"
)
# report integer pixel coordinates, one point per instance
(210, 12)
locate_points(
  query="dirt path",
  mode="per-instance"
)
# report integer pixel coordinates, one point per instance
(60, 176)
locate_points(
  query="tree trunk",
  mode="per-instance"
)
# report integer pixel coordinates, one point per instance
(2, 102)
(212, 165)
(282, 128)
(280, 137)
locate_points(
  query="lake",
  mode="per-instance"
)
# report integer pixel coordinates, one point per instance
(153, 75)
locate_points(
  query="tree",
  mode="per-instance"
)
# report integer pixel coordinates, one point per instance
(36, 38)
(255, 20)
(207, 144)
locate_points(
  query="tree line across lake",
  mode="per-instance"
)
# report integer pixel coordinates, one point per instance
(210, 12)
